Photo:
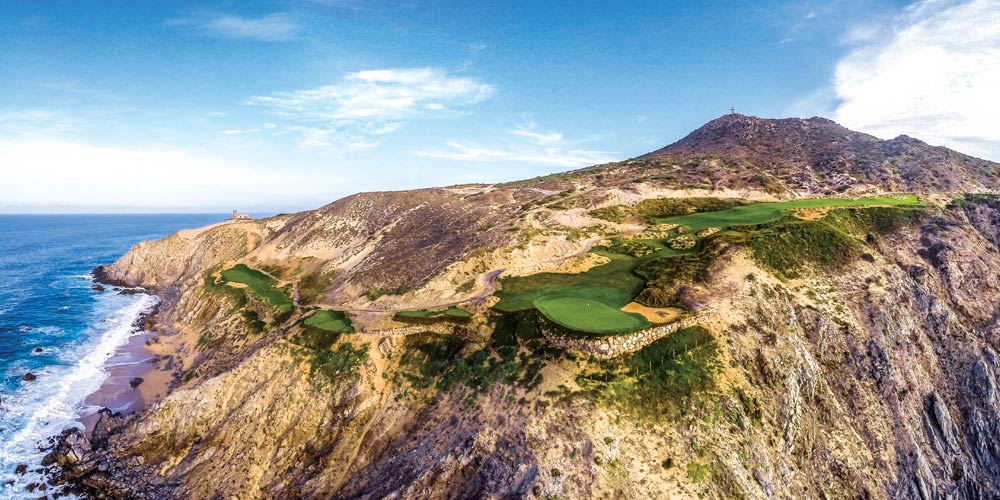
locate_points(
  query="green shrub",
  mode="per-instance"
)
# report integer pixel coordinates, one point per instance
(633, 248)
(789, 247)
(444, 361)
(339, 363)
(659, 378)
(666, 277)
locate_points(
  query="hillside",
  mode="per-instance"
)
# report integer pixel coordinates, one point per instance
(765, 308)
(818, 155)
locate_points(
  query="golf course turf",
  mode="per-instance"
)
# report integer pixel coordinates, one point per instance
(589, 315)
(591, 301)
(331, 321)
(760, 213)
(260, 284)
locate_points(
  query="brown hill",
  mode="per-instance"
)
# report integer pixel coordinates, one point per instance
(818, 155)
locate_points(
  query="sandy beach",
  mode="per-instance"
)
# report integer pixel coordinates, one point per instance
(141, 358)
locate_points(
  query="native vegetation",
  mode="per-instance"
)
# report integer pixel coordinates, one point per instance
(657, 272)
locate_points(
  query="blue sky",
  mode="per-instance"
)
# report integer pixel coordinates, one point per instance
(288, 105)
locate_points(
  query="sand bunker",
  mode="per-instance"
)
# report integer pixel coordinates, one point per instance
(811, 213)
(653, 314)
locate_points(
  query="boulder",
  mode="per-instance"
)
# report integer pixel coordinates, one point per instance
(29, 377)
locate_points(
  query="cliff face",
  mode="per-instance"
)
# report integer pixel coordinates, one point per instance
(876, 377)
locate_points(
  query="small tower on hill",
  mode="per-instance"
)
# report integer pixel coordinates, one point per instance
(239, 216)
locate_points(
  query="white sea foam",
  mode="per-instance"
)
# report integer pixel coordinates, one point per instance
(52, 403)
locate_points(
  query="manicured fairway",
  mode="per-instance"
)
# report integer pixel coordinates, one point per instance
(587, 315)
(332, 321)
(760, 213)
(260, 284)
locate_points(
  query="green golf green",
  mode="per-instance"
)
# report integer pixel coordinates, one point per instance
(587, 315)
(332, 321)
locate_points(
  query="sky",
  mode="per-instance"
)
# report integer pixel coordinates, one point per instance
(279, 106)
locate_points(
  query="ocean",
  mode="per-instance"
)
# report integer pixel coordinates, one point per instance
(54, 326)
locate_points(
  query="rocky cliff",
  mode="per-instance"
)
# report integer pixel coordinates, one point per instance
(872, 376)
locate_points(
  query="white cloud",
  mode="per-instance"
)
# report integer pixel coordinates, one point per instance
(378, 94)
(539, 138)
(331, 138)
(277, 27)
(543, 148)
(240, 132)
(367, 104)
(935, 78)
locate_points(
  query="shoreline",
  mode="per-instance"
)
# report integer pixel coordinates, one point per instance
(144, 357)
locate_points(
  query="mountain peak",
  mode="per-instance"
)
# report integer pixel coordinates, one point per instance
(819, 155)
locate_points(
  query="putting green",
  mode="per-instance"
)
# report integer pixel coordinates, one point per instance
(591, 316)
(332, 321)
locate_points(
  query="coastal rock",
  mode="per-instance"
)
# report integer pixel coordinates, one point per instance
(135, 382)
(38, 350)
(21, 469)
(29, 377)
(106, 423)
(97, 288)
(101, 275)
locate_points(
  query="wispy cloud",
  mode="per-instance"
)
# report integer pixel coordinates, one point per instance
(277, 27)
(543, 148)
(382, 94)
(532, 133)
(367, 104)
(861, 33)
(35, 122)
(935, 78)
(240, 131)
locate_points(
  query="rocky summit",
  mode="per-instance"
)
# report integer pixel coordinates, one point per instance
(763, 309)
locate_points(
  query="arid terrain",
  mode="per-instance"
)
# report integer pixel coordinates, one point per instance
(763, 309)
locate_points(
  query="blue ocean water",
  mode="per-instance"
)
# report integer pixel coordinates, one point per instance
(46, 302)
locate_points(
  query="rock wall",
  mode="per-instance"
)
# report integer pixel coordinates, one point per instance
(613, 346)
